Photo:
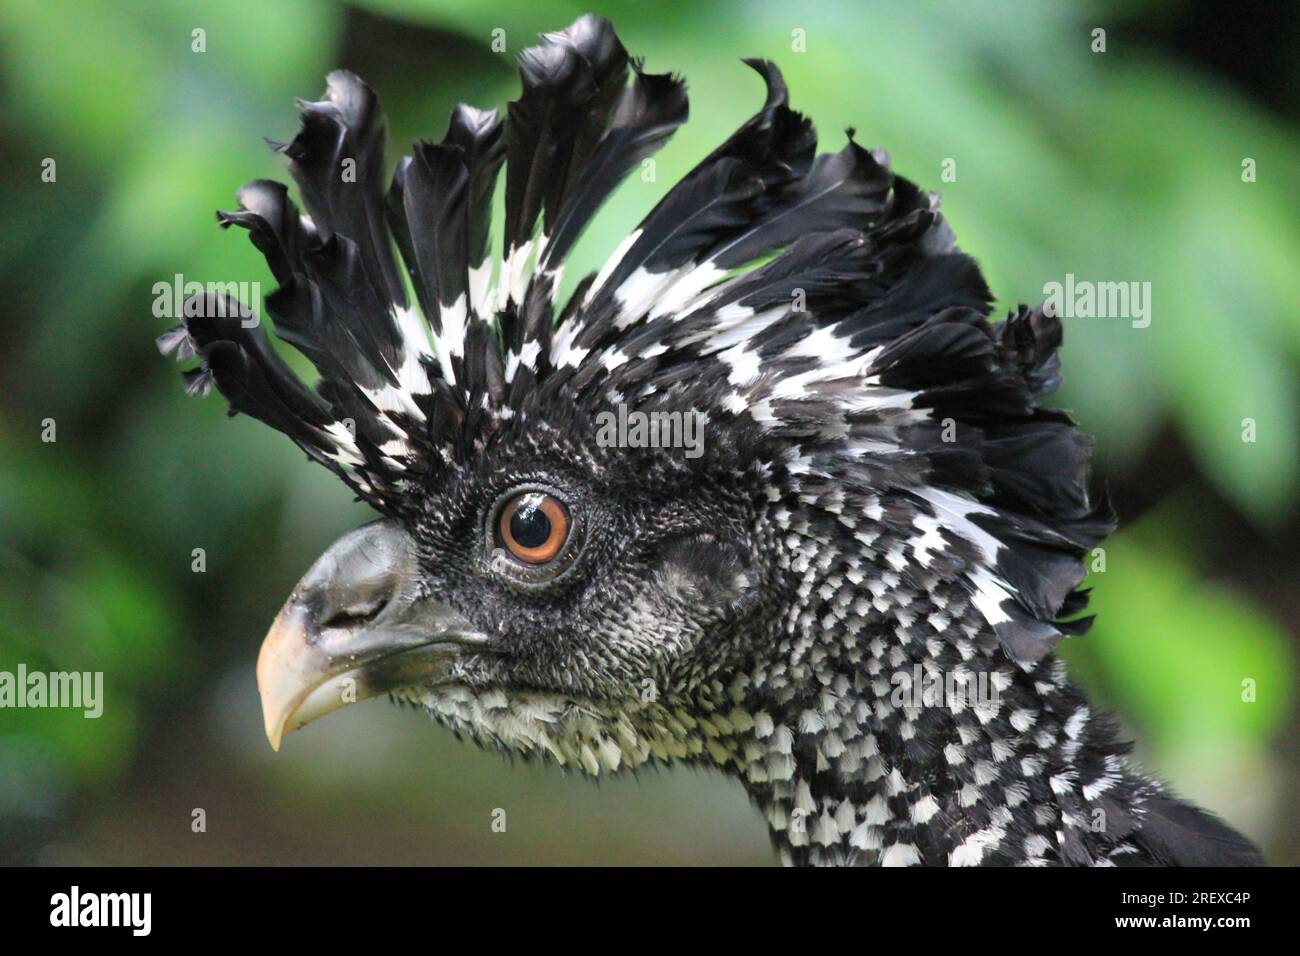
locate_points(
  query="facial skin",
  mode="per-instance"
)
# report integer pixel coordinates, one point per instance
(641, 608)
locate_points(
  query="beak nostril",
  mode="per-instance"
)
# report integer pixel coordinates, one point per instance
(353, 614)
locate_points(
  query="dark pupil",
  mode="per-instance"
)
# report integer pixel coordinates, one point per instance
(529, 525)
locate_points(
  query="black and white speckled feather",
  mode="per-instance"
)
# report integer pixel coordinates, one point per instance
(881, 492)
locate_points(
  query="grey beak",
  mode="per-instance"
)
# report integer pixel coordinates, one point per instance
(355, 626)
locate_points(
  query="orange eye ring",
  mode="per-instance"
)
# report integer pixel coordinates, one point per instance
(533, 527)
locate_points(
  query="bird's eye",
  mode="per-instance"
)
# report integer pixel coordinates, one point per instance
(533, 527)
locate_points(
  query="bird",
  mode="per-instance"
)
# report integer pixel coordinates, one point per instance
(846, 590)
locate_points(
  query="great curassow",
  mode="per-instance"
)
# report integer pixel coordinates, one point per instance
(847, 594)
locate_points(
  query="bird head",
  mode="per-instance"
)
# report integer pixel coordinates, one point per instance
(546, 590)
(774, 442)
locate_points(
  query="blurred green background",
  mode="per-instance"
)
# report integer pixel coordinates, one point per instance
(1122, 165)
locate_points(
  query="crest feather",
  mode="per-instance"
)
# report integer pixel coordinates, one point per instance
(814, 307)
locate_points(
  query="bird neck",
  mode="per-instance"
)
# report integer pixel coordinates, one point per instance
(897, 742)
